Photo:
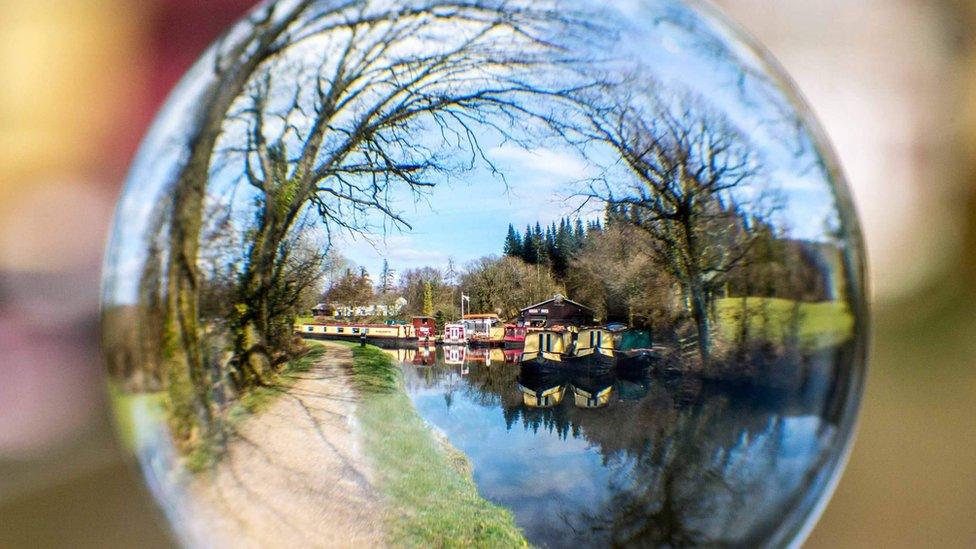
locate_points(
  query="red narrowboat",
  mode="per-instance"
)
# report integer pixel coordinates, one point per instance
(425, 328)
(515, 335)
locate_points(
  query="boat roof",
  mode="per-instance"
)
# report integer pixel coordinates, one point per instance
(481, 317)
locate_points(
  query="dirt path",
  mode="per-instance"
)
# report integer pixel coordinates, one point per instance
(296, 475)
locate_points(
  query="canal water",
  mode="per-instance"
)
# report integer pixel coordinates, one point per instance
(657, 462)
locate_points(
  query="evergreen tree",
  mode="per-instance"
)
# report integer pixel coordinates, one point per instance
(428, 299)
(529, 250)
(579, 235)
(513, 243)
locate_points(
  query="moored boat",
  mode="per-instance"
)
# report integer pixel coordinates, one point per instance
(376, 334)
(592, 391)
(635, 351)
(455, 334)
(544, 351)
(515, 336)
(425, 328)
(593, 351)
(484, 330)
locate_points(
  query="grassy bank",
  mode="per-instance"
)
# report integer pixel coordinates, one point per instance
(434, 499)
(818, 325)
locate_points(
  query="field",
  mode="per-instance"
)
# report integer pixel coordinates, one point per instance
(816, 325)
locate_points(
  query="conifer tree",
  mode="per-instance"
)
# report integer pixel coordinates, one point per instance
(513, 242)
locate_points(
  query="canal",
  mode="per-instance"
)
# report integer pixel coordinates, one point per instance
(650, 462)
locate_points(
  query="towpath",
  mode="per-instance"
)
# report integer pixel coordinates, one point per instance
(295, 476)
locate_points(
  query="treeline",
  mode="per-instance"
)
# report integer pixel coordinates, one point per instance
(553, 247)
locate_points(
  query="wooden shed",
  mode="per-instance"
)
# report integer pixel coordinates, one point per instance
(558, 311)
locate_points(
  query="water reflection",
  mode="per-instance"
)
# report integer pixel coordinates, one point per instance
(635, 457)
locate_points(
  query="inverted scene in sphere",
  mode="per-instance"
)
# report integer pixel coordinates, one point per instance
(485, 273)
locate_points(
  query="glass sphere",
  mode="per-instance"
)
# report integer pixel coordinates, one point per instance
(486, 273)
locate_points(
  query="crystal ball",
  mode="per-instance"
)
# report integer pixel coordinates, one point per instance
(491, 273)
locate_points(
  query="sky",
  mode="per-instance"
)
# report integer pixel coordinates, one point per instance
(469, 218)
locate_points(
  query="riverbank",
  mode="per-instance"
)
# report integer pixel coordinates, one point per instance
(433, 500)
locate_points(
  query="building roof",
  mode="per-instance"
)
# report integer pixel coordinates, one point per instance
(555, 299)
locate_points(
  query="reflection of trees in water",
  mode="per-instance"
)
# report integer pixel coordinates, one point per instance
(688, 468)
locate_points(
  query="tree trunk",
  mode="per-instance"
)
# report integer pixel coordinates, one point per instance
(699, 312)
(190, 388)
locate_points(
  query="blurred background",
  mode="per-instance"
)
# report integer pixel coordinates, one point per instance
(893, 81)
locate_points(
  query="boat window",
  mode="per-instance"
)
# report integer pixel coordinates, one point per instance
(341, 330)
(310, 329)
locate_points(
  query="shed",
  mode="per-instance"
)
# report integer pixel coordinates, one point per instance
(558, 311)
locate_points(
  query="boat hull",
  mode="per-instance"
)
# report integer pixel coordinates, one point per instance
(384, 342)
(541, 365)
(595, 362)
(637, 361)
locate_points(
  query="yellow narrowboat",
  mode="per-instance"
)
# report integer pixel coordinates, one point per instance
(544, 351)
(594, 350)
(376, 334)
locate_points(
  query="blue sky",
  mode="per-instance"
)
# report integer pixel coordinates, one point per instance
(472, 215)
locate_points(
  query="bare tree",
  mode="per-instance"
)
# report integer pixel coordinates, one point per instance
(690, 172)
(397, 103)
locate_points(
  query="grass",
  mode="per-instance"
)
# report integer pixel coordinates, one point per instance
(434, 500)
(127, 407)
(819, 324)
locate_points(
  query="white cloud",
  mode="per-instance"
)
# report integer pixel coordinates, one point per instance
(555, 167)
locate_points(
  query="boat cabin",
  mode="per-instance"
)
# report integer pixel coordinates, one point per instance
(425, 327)
(558, 311)
(484, 328)
(515, 335)
(592, 341)
(455, 334)
(549, 345)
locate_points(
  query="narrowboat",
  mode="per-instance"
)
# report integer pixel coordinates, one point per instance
(515, 336)
(455, 334)
(544, 351)
(425, 327)
(635, 351)
(484, 330)
(593, 351)
(395, 335)
(540, 391)
(591, 392)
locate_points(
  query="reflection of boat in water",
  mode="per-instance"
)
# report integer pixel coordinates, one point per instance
(425, 356)
(593, 351)
(455, 355)
(486, 356)
(512, 356)
(542, 391)
(592, 391)
(633, 390)
(484, 330)
(544, 351)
